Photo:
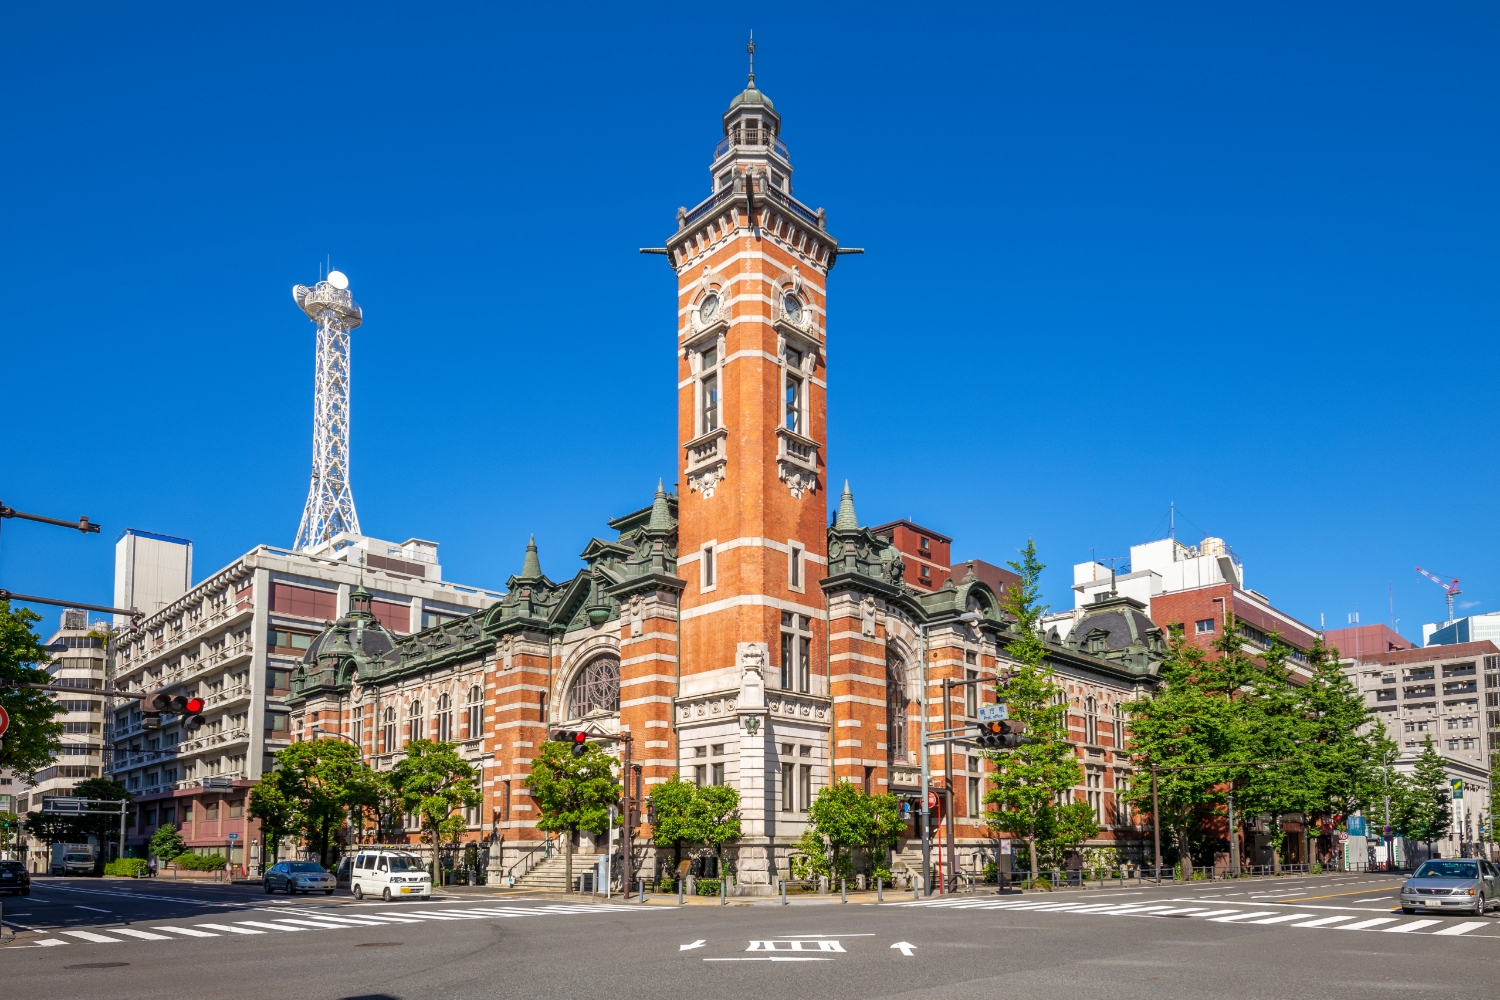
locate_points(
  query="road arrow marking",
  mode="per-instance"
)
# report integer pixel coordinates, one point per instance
(906, 947)
(689, 947)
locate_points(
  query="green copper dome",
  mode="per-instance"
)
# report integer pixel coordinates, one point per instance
(750, 95)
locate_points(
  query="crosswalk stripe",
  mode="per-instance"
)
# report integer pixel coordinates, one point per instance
(1281, 918)
(312, 923)
(185, 931)
(268, 925)
(229, 929)
(1242, 915)
(382, 919)
(1463, 928)
(1322, 921)
(49, 943)
(1368, 923)
(1216, 913)
(91, 936)
(1413, 925)
(143, 935)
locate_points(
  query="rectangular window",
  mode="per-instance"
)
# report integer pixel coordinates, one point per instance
(396, 617)
(710, 391)
(804, 664)
(716, 771)
(278, 681)
(794, 404)
(788, 644)
(303, 601)
(700, 775)
(708, 566)
(1204, 626)
(236, 808)
(804, 787)
(283, 641)
(788, 787)
(359, 725)
(971, 694)
(276, 722)
(795, 567)
(974, 798)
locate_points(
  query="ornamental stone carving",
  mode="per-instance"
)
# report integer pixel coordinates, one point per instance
(706, 480)
(798, 481)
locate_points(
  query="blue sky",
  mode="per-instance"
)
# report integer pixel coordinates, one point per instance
(1240, 260)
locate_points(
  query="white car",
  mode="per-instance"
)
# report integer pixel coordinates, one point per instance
(389, 874)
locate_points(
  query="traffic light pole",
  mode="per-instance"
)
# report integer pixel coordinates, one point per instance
(949, 684)
(628, 826)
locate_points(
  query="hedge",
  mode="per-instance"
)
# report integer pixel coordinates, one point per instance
(128, 867)
(200, 862)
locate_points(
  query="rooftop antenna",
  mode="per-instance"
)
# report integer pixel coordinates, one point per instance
(751, 49)
(1390, 590)
(330, 504)
(1172, 520)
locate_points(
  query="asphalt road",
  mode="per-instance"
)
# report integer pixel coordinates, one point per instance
(1332, 936)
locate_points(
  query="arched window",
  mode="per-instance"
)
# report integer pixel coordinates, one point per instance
(414, 729)
(1091, 722)
(445, 718)
(897, 705)
(388, 737)
(596, 688)
(476, 712)
(1119, 727)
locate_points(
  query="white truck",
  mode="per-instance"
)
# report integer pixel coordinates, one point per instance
(72, 859)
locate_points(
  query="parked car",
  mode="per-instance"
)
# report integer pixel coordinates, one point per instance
(298, 876)
(14, 878)
(1464, 884)
(389, 874)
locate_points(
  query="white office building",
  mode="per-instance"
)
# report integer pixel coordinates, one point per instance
(151, 571)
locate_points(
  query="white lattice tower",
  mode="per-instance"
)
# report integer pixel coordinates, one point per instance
(330, 504)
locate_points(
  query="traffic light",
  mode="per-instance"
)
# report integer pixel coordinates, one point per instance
(573, 736)
(1001, 735)
(189, 708)
(192, 714)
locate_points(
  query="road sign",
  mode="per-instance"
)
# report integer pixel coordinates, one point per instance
(58, 804)
(1343, 837)
(1458, 788)
(4, 722)
(234, 836)
(994, 713)
(1356, 826)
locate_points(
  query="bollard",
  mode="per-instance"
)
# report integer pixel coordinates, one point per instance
(843, 891)
(641, 885)
(783, 892)
(723, 890)
(879, 890)
(679, 891)
(915, 894)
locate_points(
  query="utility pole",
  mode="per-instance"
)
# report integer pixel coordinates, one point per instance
(949, 683)
(1234, 837)
(926, 773)
(628, 827)
(1155, 826)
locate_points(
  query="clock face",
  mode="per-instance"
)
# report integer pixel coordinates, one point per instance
(793, 308)
(709, 308)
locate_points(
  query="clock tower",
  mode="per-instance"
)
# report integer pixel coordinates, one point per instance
(752, 262)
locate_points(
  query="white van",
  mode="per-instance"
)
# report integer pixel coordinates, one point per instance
(389, 874)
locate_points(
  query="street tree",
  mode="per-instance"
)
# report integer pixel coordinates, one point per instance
(842, 818)
(373, 798)
(277, 814)
(1278, 727)
(1029, 781)
(672, 819)
(104, 828)
(316, 776)
(1426, 813)
(716, 817)
(1342, 747)
(572, 793)
(167, 843)
(433, 782)
(35, 735)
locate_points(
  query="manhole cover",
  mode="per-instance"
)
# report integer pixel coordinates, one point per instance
(96, 965)
(372, 944)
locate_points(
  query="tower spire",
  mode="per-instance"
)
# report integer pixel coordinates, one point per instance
(751, 49)
(330, 504)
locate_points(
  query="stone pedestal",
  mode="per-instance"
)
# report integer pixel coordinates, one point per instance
(753, 867)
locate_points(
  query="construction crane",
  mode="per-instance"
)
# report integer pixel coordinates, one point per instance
(1451, 589)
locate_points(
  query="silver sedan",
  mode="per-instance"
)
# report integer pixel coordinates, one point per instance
(1457, 884)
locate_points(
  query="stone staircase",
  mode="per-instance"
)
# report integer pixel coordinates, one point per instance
(550, 874)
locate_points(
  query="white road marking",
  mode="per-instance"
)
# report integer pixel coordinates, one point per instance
(229, 929)
(1322, 921)
(79, 906)
(91, 936)
(689, 947)
(1281, 918)
(772, 958)
(143, 935)
(268, 925)
(1242, 915)
(1368, 923)
(1413, 925)
(185, 931)
(906, 947)
(1463, 928)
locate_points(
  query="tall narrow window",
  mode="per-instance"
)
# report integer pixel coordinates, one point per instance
(972, 803)
(788, 787)
(796, 652)
(804, 662)
(804, 787)
(708, 566)
(445, 719)
(414, 727)
(476, 712)
(388, 738)
(710, 402)
(359, 725)
(897, 705)
(795, 569)
(793, 403)
(788, 657)
(1119, 727)
(971, 694)
(1091, 722)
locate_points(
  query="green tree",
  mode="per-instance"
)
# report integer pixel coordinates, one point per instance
(277, 814)
(672, 816)
(716, 817)
(1277, 727)
(316, 776)
(433, 782)
(373, 797)
(51, 828)
(842, 819)
(167, 843)
(35, 735)
(1426, 814)
(104, 828)
(1029, 781)
(572, 793)
(10, 828)
(1189, 722)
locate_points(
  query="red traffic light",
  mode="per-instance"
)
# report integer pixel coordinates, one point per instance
(577, 738)
(194, 706)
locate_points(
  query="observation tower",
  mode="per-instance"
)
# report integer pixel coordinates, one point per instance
(330, 504)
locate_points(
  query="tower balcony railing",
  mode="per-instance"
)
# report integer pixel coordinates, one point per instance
(776, 195)
(776, 146)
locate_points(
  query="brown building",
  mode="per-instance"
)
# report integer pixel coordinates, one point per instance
(1365, 640)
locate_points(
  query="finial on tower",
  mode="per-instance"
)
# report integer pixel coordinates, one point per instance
(751, 49)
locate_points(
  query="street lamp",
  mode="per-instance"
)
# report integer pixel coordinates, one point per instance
(968, 617)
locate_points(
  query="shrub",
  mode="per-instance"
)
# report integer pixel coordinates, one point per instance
(200, 862)
(707, 886)
(127, 867)
(1043, 883)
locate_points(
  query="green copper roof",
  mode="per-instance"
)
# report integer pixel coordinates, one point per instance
(661, 514)
(846, 520)
(750, 95)
(531, 569)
